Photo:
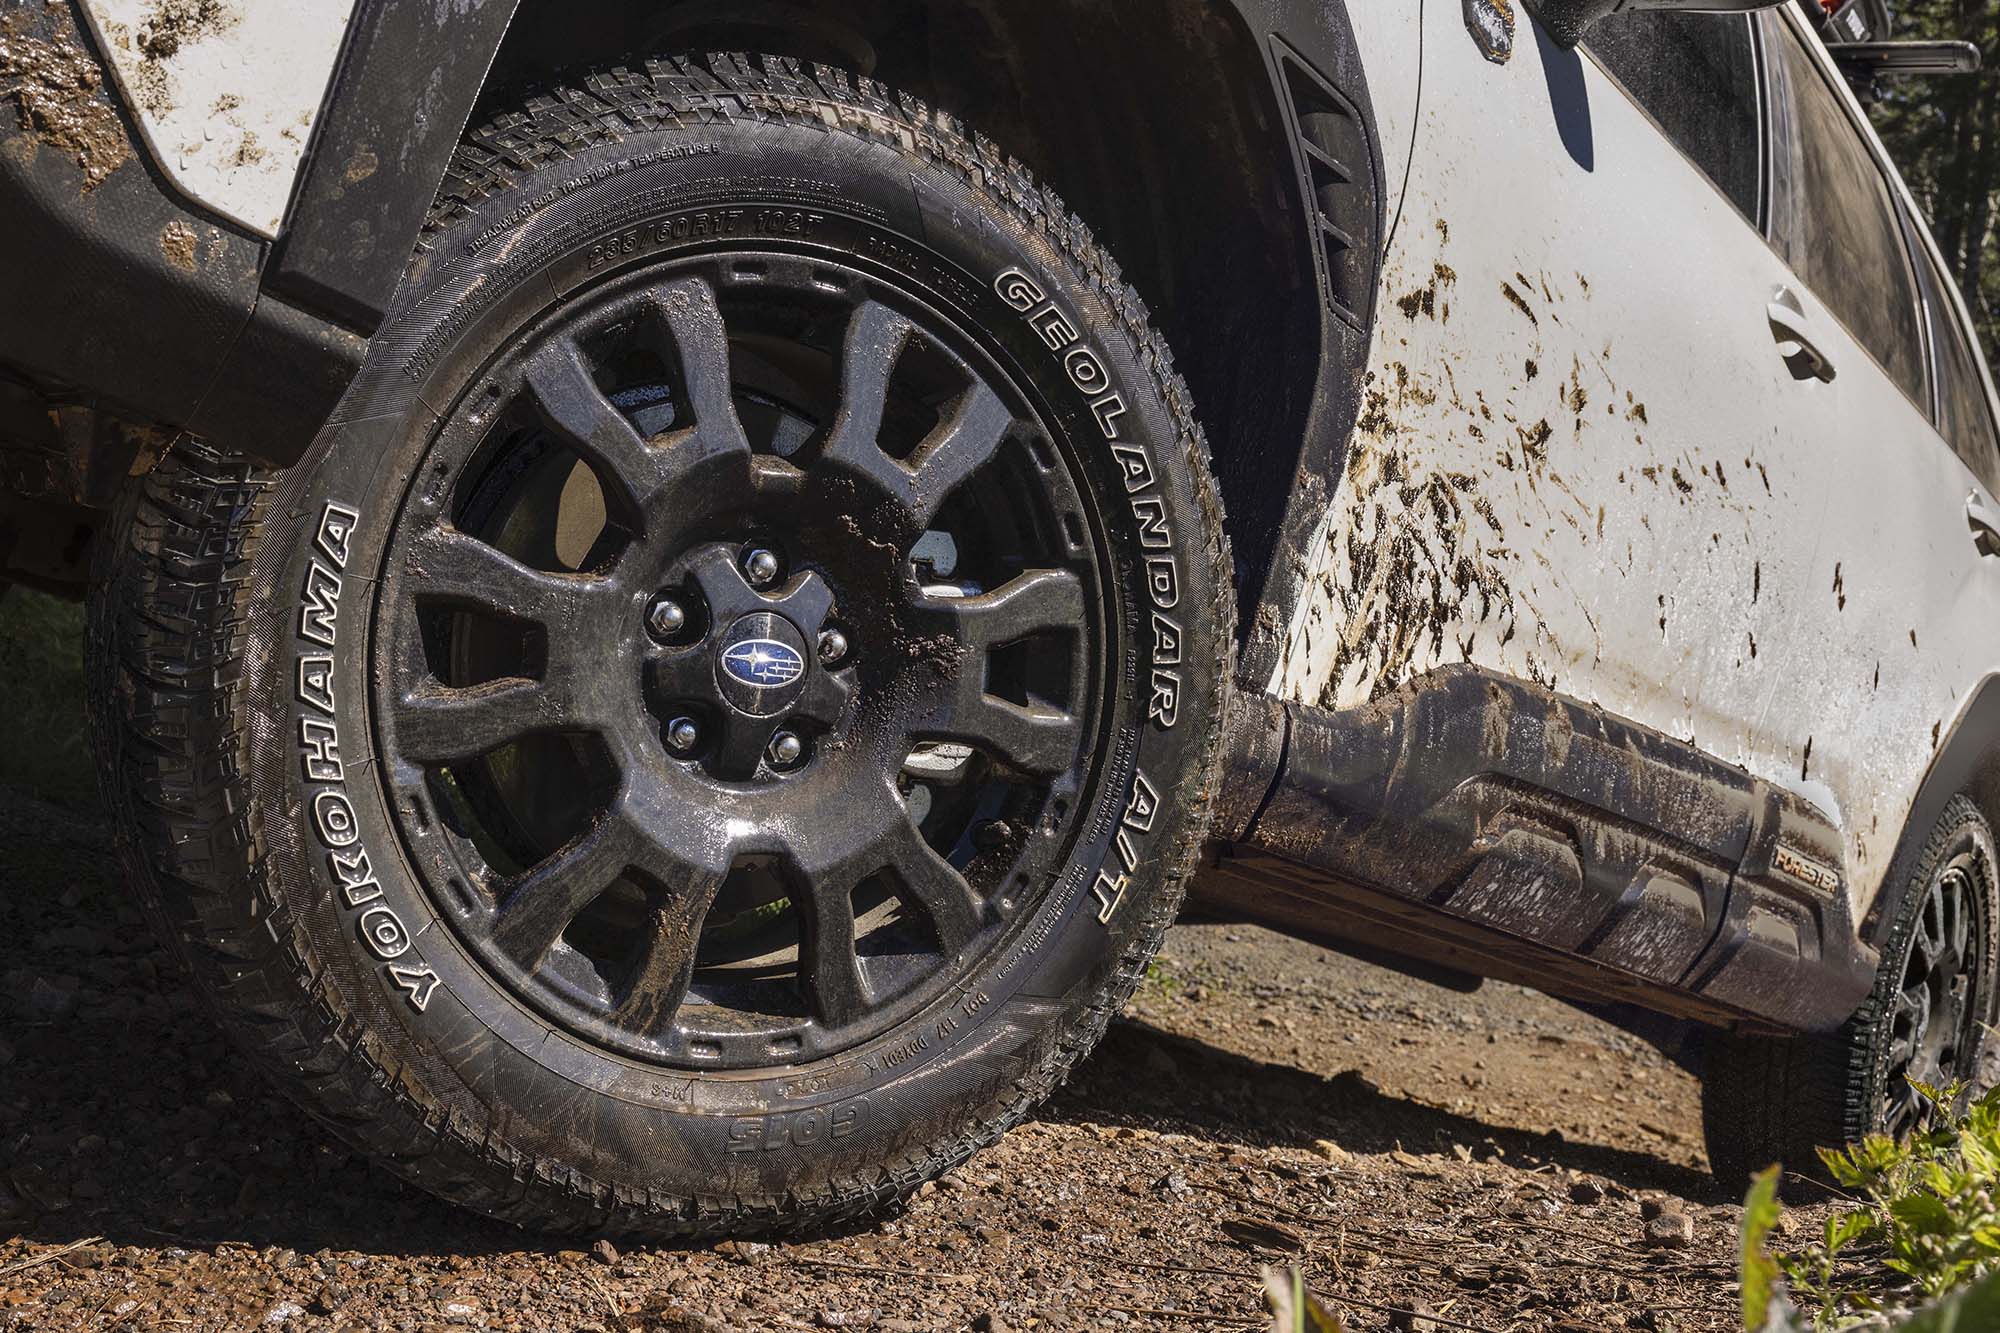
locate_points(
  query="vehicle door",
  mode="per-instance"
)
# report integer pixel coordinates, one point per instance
(1579, 459)
(1899, 613)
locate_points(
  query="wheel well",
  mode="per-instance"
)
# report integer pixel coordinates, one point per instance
(1966, 763)
(1154, 120)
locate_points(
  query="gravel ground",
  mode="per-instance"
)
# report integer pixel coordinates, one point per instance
(1490, 1158)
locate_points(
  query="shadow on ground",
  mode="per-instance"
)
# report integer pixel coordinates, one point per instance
(125, 1115)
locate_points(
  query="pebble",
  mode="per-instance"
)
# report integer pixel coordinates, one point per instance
(991, 1322)
(1416, 1319)
(604, 1252)
(1670, 1231)
(1586, 1192)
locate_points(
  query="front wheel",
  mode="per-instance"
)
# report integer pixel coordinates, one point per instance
(719, 723)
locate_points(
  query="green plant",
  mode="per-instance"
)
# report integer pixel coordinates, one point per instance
(1923, 1229)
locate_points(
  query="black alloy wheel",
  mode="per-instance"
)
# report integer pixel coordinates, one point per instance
(1934, 1023)
(772, 668)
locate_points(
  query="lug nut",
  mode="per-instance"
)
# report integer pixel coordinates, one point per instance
(666, 617)
(832, 646)
(786, 749)
(683, 735)
(760, 567)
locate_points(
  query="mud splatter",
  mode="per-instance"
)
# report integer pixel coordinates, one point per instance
(172, 24)
(1533, 369)
(1507, 290)
(177, 244)
(1839, 589)
(57, 92)
(1424, 300)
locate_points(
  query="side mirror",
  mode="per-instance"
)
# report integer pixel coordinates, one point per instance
(1568, 20)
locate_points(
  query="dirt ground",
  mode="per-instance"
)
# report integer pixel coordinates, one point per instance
(1485, 1157)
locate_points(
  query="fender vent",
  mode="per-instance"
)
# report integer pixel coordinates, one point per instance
(1339, 186)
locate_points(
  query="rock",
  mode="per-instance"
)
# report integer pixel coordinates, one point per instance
(991, 1322)
(1261, 1234)
(40, 997)
(1332, 1151)
(1417, 1319)
(1670, 1231)
(1652, 1205)
(283, 1312)
(604, 1252)
(847, 1318)
(1586, 1192)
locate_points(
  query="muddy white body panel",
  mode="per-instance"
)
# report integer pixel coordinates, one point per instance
(1584, 462)
(225, 102)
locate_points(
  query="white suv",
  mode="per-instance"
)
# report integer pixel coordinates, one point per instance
(666, 659)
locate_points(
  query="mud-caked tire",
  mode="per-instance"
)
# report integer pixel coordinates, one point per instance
(1768, 1099)
(765, 841)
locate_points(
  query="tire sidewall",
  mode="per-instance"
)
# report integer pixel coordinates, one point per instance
(337, 867)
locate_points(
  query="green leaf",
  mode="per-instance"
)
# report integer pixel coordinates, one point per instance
(1760, 1275)
(1974, 1309)
(1925, 1214)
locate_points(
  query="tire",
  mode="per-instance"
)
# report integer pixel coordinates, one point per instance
(1778, 1099)
(422, 814)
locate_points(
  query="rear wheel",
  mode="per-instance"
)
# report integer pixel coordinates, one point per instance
(1928, 1020)
(715, 729)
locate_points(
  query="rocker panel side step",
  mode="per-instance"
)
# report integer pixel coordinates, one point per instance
(1467, 814)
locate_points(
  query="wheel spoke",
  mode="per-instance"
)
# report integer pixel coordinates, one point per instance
(744, 740)
(681, 673)
(1034, 738)
(446, 566)
(1958, 920)
(538, 905)
(1031, 603)
(839, 997)
(694, 322)
(944, 894)
(875, 339)
(440, 724)
(659, 982)
(569, 402)
(960, 449)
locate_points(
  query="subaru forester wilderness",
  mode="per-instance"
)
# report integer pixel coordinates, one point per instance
(665, 658)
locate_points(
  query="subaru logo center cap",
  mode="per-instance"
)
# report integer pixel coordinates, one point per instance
(760, 664)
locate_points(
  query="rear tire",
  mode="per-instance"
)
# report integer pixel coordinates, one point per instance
(394, 740)
(1779, 1099)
